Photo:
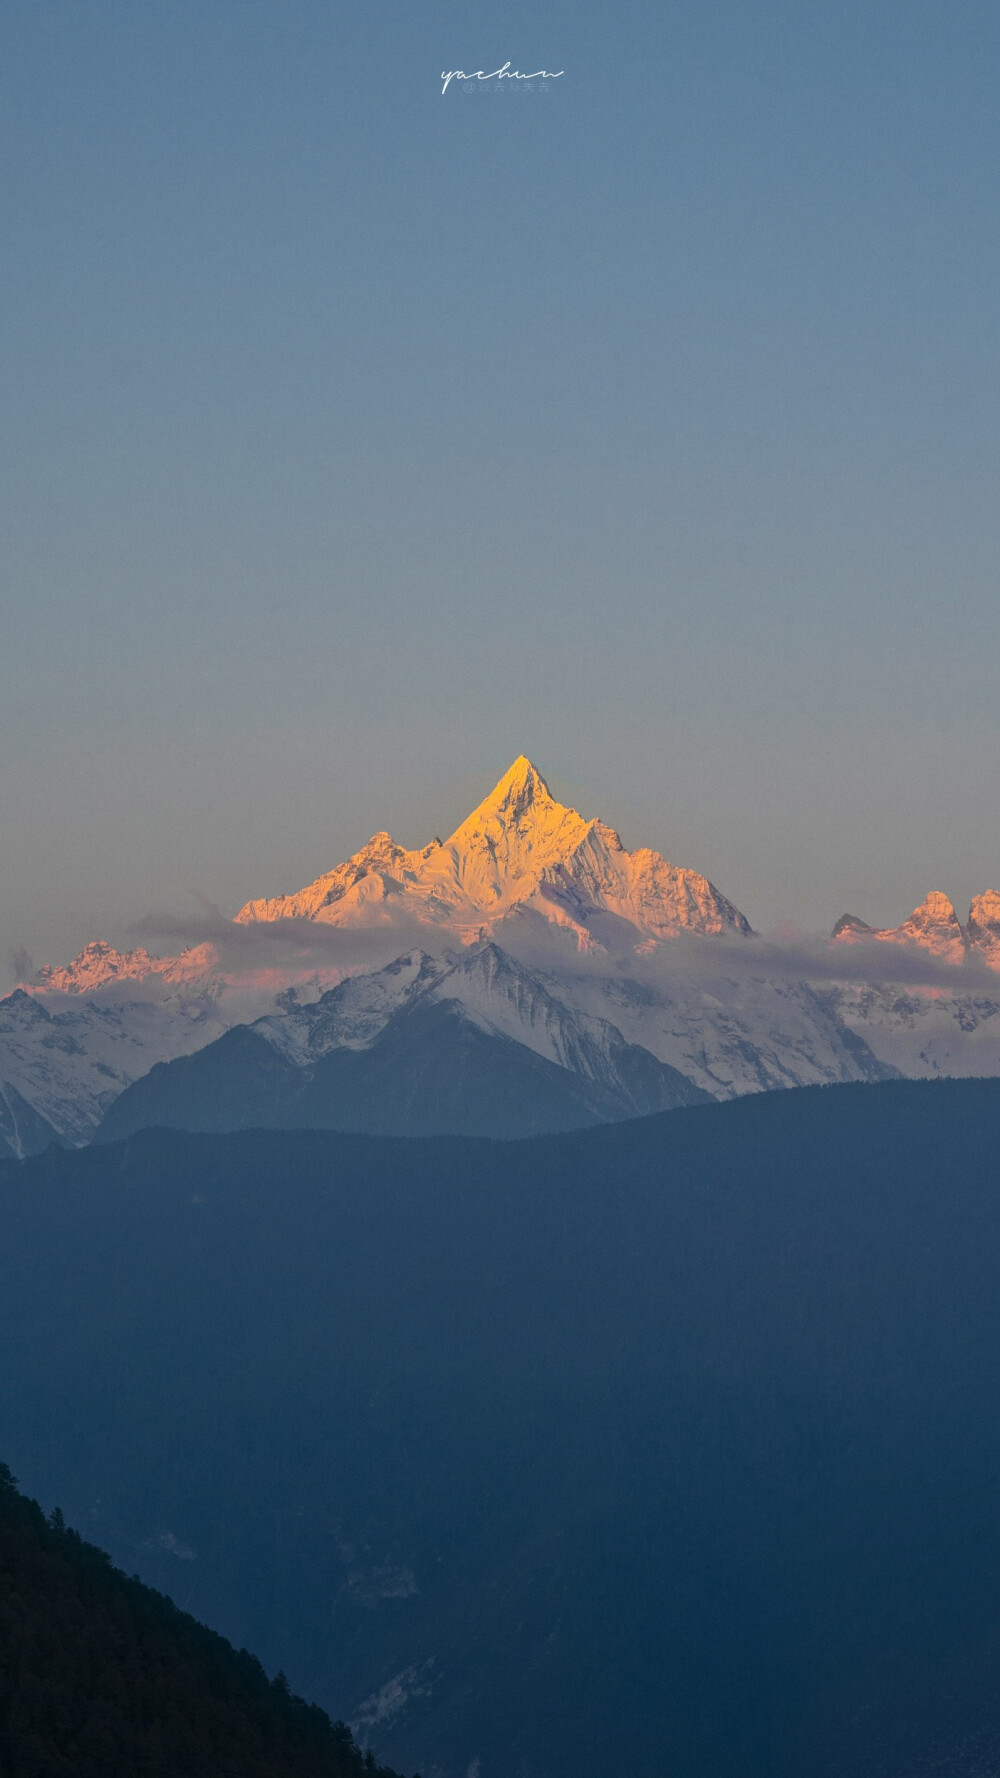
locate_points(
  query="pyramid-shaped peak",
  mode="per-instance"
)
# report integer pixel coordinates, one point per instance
(520, 849)
(500, 852)
(522, 769)
(521, 785)
(521, 796)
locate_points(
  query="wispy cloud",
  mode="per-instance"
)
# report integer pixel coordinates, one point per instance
(307, 944)
(20, 966)
(300, 943)
(786, 956)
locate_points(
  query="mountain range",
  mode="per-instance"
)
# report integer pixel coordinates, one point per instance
(528, 973)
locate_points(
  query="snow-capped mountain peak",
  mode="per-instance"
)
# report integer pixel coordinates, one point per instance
(519, 852)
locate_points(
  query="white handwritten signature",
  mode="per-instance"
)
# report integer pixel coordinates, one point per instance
(504, 73)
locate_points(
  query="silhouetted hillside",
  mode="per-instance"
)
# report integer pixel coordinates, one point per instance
(668, 1447)
(102, 1678)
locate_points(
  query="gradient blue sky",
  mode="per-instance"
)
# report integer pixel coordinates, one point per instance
(358, 439)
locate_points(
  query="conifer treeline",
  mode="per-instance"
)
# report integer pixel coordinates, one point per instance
(101, 1675)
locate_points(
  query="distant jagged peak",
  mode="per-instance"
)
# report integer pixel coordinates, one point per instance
(100, 963)
(381, 846)
(933, 912)
(97, 962)
(935, 927)
(850, 929)
(489, 963)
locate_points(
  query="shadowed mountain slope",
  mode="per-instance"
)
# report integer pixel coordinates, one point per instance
(664, 1447)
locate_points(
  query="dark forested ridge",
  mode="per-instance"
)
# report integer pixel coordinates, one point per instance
(100, 1677)
(669, 1447)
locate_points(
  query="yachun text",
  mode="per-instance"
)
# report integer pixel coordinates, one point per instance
(504, 73)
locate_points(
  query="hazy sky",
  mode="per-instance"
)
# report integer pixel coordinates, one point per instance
(358, 439)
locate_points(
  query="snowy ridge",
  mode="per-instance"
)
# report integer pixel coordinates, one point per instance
(495, 992)
(68, 1061)
(740, 1037)
(923, 1034)
(352, 1014)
